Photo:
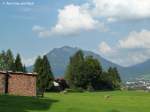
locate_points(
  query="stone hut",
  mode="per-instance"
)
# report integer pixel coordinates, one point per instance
(18, 83)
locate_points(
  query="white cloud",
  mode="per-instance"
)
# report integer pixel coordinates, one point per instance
(37, 28)
(28, 61)
(136, 40)
(73, 19)
(104, 48)
(135, 48)
(41, 31)
(129, 57)
(122, 9)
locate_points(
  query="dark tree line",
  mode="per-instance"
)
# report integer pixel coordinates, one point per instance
(86, 73)
(9, 63)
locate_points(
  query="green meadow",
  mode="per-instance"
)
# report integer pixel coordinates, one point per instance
(118, 101)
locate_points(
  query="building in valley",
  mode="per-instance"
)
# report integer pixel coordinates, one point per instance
(18, 83)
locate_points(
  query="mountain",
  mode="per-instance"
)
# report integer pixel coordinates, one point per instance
(138, 70)
(59, 59)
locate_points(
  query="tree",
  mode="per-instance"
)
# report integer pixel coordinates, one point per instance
(74, 71)
(69, 75)
(83, 72)
(86, 73)
(3, 61)
(107, 83)
(117, 75)
(18, 64)
(38, 68)
(44, 73)
(47, 75)
(8, 63)
(24, 69)
(93, 71)
(7, 60)
(115, 78)
(10, 60)
(38, 64)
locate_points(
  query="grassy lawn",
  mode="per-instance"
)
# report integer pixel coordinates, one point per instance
(79, 102)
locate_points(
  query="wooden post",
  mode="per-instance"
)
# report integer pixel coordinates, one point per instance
(6, 82)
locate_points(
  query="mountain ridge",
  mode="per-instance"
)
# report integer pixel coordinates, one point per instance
(70, 51)
(59, 59)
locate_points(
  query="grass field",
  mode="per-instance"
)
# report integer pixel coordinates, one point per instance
(79, 102)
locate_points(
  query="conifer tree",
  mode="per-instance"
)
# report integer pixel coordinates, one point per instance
(3, 61)
(44, 73)
(38, 68)
(37, 64)
(10, 60)
(24, 69)
(18, 64)
(47, 75)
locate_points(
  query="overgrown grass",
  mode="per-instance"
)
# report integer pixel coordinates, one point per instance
(118, 101)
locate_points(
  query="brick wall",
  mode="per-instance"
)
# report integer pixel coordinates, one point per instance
(2, 83)
(21, 84)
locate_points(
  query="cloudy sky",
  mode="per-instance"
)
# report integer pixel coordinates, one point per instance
(118, 30)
